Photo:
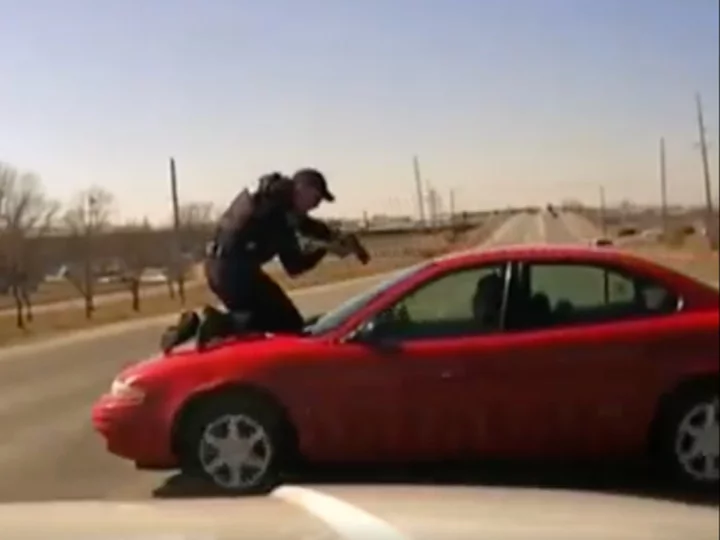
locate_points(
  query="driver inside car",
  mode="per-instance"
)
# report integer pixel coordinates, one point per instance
(487, 302)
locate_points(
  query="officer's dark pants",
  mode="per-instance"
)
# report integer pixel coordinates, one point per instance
(244, 288)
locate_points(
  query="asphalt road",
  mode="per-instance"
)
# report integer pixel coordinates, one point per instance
(48, 451)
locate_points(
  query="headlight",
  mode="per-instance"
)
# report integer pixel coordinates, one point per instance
(125, 390)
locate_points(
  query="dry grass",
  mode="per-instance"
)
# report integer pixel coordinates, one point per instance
(680, 248)
(57, 291)
(389, 252)
(700, 264)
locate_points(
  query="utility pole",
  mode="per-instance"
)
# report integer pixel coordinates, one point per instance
(432, 200)
(178, 263)
(89, 266)
(438, 213)
(710, 225)
(419, 188)
(663, 189)
(452, 205)
(603, 220)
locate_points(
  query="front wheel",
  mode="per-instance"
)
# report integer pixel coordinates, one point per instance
(691, 439)
(235, 444)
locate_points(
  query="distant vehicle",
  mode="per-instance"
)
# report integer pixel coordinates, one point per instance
(627, 231)
(153, 275)
(602, 242)
(60, 273)
(523, 352)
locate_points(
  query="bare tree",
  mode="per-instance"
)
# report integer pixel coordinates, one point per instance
(196, 215)
(195, 224)
(86, 220)
(25, 215)
(138, 251)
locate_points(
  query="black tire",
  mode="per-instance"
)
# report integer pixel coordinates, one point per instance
(248, 412)
(685, 409)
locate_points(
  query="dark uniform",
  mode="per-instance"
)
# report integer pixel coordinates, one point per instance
(253, 230)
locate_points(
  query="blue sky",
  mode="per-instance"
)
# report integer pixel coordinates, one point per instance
(505, 101)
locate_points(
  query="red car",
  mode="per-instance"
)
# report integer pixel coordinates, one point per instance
(523, 352)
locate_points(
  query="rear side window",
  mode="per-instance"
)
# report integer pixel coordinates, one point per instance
(570, 294)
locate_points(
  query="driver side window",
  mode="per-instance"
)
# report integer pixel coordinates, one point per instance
(461, 303)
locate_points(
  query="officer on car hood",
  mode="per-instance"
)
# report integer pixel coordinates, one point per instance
(256, 227)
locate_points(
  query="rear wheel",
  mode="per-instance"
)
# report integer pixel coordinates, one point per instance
(690, 440)
(234, 443)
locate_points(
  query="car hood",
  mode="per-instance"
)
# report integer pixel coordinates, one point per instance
(248, 345)
(369, 511)
(253, 349)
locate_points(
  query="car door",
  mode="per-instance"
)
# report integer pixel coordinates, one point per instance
(345, 399)
(580, 358)
(440, 350)
(344, 395)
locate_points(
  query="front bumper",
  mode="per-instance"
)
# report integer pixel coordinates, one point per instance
(133, 432)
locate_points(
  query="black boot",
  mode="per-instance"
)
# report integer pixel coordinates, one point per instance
(185, 329)
(218, 325)
(214, 325)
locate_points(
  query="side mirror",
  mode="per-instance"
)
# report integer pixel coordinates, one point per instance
(368, 334)
(363, 333)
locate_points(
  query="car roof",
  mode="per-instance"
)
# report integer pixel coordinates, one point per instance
(539, 251)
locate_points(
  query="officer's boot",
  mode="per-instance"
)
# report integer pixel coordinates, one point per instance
(213, 325)
(218, 325)
(185, 329)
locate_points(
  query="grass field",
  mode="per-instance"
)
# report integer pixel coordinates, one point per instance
(680, 247)
(704, 266)
(58, 291)
(688, 253)
(389, 252)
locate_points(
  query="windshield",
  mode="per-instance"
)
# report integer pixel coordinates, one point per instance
(335, 318)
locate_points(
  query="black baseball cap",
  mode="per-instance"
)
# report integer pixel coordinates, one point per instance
(316, 179)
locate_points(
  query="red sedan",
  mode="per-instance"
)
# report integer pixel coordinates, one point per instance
(552, 353)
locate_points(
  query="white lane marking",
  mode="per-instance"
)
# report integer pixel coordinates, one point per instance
(504, 229)
(574, 224)
(531, 231)
(542, 227)
(350, 522)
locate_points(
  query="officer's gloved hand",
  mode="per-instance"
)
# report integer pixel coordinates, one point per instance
(348, 244)
(340, 247)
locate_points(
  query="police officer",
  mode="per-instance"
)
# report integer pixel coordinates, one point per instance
(253, 230)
